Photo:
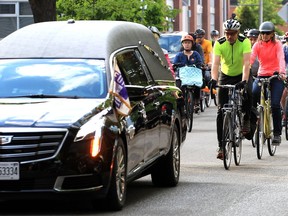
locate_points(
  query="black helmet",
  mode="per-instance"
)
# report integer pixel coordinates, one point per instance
(200, 32)
(154, 30)
(267, 27)
(214, 33)
(253, 33)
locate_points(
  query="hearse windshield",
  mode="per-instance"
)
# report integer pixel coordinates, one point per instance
(49, 78)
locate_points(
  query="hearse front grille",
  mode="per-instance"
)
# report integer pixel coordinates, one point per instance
(30, 145)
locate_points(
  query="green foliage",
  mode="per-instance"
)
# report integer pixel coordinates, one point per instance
(147, 12)
(248, 13)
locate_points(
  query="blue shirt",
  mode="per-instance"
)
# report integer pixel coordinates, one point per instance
(194, 59)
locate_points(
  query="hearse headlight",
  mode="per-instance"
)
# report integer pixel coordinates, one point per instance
(91, 131)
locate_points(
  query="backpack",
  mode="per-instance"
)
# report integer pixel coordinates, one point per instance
(253, 123)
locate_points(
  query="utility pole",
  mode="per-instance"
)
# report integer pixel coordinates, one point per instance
(260, 11)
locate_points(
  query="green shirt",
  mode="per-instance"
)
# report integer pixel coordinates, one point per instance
(232, 55)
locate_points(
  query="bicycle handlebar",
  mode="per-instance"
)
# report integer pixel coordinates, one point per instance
(225, 86)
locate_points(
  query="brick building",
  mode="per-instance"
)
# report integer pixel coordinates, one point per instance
(206, 14)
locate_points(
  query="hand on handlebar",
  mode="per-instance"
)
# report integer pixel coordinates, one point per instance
(212, 84)
(241, 85)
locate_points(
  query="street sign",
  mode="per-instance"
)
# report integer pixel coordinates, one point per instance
(283, 12)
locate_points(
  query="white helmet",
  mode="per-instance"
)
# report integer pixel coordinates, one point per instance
(232, 24)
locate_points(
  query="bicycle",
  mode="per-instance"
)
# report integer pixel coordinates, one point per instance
(232, 126)
(184, 77)
(285, 113)
(207, 94)
(264, 131)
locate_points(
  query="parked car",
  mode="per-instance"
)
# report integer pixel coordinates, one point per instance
(171, 41)
(87, 107)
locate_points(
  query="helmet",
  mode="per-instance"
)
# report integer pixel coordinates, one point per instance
(246, 31)
(267, 27)
(214, 33)
(200, 32)
(232, 24)
(187, 38)
(154, 30)
(253, 33)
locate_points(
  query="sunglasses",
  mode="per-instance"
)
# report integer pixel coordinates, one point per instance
(267, 33)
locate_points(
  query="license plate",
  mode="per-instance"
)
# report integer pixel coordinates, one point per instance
(9, 171)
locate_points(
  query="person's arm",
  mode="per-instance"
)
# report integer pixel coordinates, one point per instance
(281, 57)
(209, 49)
(199, 60)
(200, 51)
(215, 67)
(246, 66)
(253, 53)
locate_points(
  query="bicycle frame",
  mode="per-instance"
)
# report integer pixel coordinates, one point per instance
(264, 131)
(265, 104)
(232, 122)
(234, 105)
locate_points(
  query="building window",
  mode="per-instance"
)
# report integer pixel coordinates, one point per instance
(14, 15)
(7, 9)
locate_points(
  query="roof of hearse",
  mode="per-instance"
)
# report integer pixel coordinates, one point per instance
(75, 39)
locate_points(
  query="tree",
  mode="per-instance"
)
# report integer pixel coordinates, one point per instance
(147, 12)
(43, 10)
(249, 15)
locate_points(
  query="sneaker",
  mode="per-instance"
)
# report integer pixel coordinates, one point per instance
(197, 108)
(220, 154)
(283, 122)
(246, 127)
(276, 140)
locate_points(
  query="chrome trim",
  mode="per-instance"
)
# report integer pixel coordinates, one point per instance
(36, 130)
(60, 179)
(24, 129)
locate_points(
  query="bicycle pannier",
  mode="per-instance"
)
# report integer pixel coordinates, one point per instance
(191, 76)
(253, 123)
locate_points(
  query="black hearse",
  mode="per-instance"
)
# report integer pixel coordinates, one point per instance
(87, 107)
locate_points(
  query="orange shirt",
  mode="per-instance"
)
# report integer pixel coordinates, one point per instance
(207, 49)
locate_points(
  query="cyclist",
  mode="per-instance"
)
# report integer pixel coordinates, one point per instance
(214, 36)
(252, 35)
(270, 54)
(207, 49)
(189, 57)
(157, 34)
(206, 46)
(284, 95)
(232, 52)
(197, 47)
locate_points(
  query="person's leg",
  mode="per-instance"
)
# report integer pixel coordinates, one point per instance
(277, 88)
(283, 108)
(256, 91)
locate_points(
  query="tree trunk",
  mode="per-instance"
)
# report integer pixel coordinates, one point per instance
(43, 10)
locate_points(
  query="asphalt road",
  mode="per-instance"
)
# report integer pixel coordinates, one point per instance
(256, 187)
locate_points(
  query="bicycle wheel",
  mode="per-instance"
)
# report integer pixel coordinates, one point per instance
(237, 147)
(202, 101)
(260, 138)
(190, 109)
(215, 98)
(207, 99)
(271, 148)
(226, 140)
(286, 120)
